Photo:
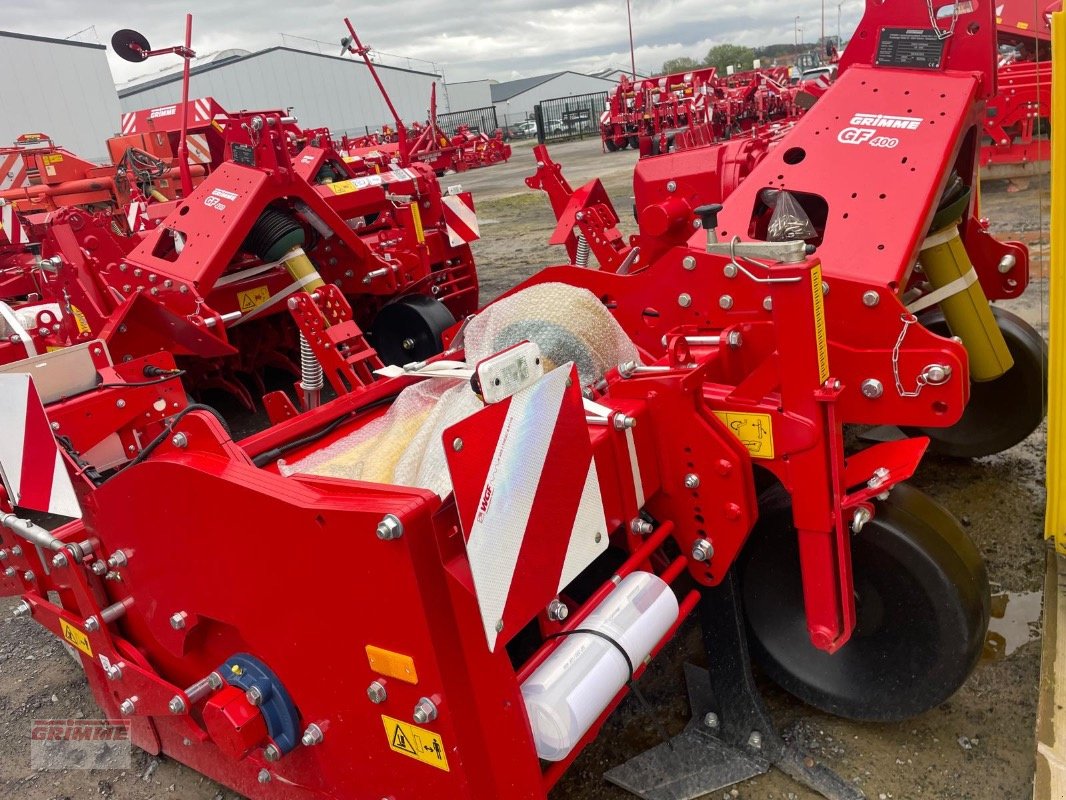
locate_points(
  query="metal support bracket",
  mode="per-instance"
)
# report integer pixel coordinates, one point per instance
(731, 736)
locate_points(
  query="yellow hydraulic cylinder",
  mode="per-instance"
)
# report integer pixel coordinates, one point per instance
(967, 312)
(300, 268)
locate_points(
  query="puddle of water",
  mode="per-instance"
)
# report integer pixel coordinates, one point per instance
(1015, 622)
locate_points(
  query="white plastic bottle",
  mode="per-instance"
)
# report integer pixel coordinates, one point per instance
(569, 691)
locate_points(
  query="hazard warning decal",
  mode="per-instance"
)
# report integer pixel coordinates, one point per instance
(76, 637)
(253, 298)
(31, 465)
(12, 171)
(460, 219)
(12, 226)
(530, 477)
(415, 742)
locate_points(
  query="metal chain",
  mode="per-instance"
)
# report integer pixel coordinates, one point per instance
(940, 32)
(908, 320)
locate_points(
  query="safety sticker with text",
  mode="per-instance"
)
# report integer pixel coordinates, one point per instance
(755, 431)
(76, 637)
(415, 742)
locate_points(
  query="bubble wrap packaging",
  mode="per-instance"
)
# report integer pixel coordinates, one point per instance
(566, 322)
(403, 446)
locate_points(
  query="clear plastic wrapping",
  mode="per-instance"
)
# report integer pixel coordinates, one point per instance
(789, 222)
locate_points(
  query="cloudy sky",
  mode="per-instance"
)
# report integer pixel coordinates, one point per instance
(469, 39)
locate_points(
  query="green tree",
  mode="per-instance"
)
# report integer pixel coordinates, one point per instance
(682, 64)
(725, 55)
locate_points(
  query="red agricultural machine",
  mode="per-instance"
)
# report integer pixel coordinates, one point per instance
(505, 535)
(787, 188)
(649, 113)
(428, 144)
(274, 209)
(1017, 119)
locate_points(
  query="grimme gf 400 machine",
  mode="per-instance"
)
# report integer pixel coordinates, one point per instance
(913, 230)
(506, 534)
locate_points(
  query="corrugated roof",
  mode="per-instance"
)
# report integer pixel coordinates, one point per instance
(128, 91)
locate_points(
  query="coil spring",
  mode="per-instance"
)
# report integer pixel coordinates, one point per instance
(310, 368)
(582, 256)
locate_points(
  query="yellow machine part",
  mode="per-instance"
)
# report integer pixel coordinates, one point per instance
(967, 312)
(300, 267)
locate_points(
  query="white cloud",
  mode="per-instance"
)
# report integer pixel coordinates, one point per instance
(476, 39)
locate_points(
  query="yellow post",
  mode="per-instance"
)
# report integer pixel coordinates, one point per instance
(1055, 519)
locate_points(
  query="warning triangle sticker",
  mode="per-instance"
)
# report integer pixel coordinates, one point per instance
(401, 742)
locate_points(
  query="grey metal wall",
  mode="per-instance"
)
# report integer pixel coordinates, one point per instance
(469, 94)
(60, 88)
(322, 90)
(520, 106)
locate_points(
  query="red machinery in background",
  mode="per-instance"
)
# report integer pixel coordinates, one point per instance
(1017, 120)
(649, 113)
(459, 151)
(282, 210)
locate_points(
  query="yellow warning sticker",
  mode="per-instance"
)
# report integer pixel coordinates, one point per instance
(79, 319)
(819, 324)
(253, 298)
(54, 158)
(342, 187)
(417, 217)
(76, 637)
(415, 742)
(755, 431)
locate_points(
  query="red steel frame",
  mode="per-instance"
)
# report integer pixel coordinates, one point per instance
(209, 554)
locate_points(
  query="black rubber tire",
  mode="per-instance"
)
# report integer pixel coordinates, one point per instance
(610, 145)
(416, 319)
(634, 142)
(922, 608)
(1003, 412)
(624, 143)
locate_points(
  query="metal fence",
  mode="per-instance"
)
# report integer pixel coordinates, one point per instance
(479, 120)
(575, 117)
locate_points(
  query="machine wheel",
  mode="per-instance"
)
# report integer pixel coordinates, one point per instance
(410, 329)
(922, 607)
(634, 142)
(1003, 412)
(623, 143)
(610, 145)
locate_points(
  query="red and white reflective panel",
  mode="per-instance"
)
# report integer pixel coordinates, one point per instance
(12, 171)
(11, 225)
(201, 110)
(31, 464)
(528, 498)
(199, 151)
(129, 122)
(137, 216)
(460, 220)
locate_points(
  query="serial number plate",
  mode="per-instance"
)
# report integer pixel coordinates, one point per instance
(913, 48)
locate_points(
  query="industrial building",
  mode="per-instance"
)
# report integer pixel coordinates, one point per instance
(58, 87)
(465, 95)
(514, 100)
(322, 90)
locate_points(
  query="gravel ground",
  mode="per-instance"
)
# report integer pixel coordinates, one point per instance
(977, 746)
